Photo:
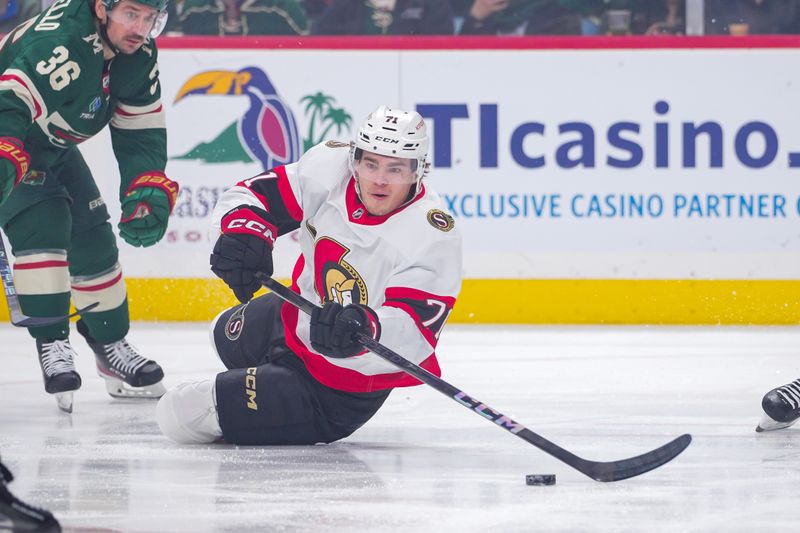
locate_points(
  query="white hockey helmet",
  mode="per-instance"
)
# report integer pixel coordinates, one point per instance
(394, 133)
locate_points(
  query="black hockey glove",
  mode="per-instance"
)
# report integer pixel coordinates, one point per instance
(333, 328)
(244, 249)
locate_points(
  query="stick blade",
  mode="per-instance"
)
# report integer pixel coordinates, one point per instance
(635, 466)
(35, 321)
(23, 321)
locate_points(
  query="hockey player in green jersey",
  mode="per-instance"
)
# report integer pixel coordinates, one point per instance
(64, 75)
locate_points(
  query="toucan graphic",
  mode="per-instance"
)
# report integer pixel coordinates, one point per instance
(266, 133)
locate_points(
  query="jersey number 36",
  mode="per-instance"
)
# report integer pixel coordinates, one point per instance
(60, 70)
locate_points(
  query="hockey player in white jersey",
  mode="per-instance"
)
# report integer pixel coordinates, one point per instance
(379, 254)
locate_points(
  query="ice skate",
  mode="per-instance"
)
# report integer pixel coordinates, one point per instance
(126, 373)
(781, 407)
(57, 359)
(18, 516)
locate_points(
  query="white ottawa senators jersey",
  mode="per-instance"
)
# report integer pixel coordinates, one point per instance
(405, 265)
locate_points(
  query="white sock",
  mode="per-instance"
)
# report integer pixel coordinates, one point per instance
(188, 413)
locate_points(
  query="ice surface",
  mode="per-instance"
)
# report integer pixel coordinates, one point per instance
(424, 463)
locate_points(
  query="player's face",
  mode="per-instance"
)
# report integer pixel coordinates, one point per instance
(384, 182)
(129, 24)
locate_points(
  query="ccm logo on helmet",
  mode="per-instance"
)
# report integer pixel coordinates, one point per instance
(251, 225)
(386, 139)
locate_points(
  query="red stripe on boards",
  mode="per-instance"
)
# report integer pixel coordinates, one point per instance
(461, 42)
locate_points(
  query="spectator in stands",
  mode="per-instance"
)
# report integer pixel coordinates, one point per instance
(591, 13)
(174, 11)
(733, 17)
(315, 8)
(659, 17)
(522, 17)
(15, 12)
(242, 17)
(386, 17)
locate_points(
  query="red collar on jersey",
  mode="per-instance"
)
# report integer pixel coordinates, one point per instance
(358, 214)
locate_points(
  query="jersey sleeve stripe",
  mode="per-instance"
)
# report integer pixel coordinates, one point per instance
(399, 297)
(18, 83)
(139, 118)
(408, 293)
(125, 109)
(265, 189)
(68, 137)
(287, 193)
(415, 317)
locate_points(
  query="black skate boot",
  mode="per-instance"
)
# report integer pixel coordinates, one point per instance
(57, 359)
(17, 516)
(127, 374)
(781, 407)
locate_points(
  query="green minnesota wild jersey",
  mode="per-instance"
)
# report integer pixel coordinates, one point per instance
(57, 90)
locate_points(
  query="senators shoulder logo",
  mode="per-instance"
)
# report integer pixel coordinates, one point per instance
(441, 220)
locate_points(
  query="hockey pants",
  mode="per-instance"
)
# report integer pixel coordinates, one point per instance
(65, 249)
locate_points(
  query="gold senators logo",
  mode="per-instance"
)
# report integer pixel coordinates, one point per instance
(344, 287)
(441, 220)
(337, 280)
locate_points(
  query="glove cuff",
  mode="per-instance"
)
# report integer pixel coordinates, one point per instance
(159, 180)
(372, 320)
(250, 220)
(12, 150)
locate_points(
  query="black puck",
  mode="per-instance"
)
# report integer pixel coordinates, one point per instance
(540, 479)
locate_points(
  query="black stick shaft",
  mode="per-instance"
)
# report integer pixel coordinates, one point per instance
(599, 471)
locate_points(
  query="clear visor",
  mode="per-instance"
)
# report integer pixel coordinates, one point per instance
(383, 170)
(143, 21)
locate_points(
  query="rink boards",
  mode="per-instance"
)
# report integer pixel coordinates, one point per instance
(593, 182)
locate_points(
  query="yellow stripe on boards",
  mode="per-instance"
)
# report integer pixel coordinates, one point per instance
(538, 301)
(605, 301)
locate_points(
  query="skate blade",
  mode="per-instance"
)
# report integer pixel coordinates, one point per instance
(64, 401)
(768, 424)
(119, 389)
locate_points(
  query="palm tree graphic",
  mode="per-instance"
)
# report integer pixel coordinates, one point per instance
(338, 118)
(323, 117)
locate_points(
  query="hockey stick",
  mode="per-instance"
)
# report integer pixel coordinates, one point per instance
(599, 471)
(18, 318)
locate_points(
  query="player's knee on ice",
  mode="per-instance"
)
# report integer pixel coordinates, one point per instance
(188, 414)
(247, 335)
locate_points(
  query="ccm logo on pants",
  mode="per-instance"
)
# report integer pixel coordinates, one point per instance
(250, 388)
